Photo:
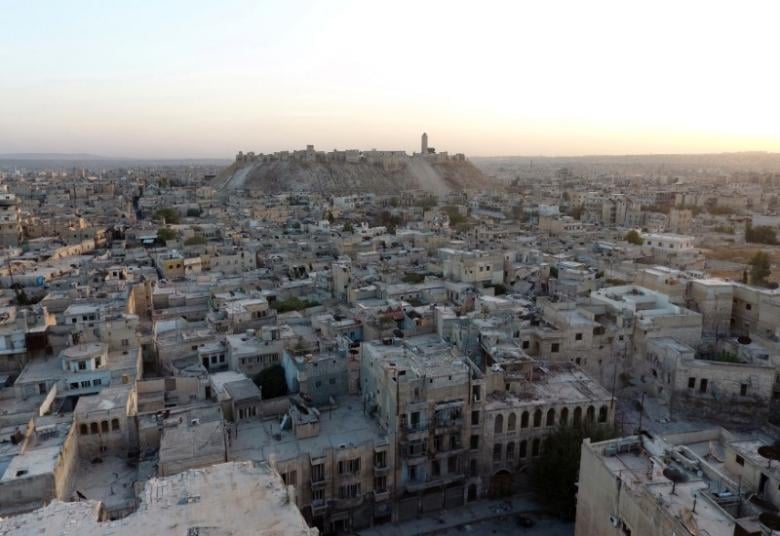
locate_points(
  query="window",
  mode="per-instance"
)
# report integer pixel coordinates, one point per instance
(526, 345)
(318, 495)
(86, 383)
(512, 424)
(510, 451)
(603, 414)
(743, 389)
(474, 418)
(551, 417)
(349, 492)
(114, 424)
(318, 384)
(318, 472)
(497, 452)
(349, 466)
(748, 306)
(452, 464)
(740, 460)
(474, 442)
(73, 385)
(93, 427)
(83, 429)
(524, 420)
(691, 383)
(537, 418)
(578, 337)
(535, 447)
(703, 385)
(97, 381)
(523, 449)
(332, 381)
(555, 347)
(82, 365)
(380, 484)
(380, 458)
(499, 424)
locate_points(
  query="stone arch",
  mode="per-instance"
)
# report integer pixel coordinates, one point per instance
(501, 484)
(551, 417)
(537, 418)
(590, 414)
(603, 414)
(577, 416)
(498, 425)
(471, 493)
(522, 449)
(524, 420)
(564, 419)
(511, 423)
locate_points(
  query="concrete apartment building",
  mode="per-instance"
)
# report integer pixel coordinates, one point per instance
(10, 219)
(691, 483)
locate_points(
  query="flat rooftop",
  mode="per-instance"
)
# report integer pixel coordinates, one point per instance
(347, 424)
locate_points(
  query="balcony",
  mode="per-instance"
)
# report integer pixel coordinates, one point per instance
(412, 428)
(381, 469)
(318, 484)
(383, 495)
(413, 486)
(446, 425)
(349, 502)
(447, 451)
(319, 507)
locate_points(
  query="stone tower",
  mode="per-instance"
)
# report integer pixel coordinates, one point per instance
(424, 145)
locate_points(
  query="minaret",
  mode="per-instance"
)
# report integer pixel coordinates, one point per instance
(424, 145)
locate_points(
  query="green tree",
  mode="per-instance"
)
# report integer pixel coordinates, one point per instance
(453, 213)
(633, 237)
(166, 233)
(271, 382)
(196, 240)
(760, 268)
(761, 234)
(293, 304)
(348, 227)
(168, 214)
(413, 278)
(555, 473)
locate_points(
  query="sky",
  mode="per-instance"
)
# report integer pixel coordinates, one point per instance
(169, 79)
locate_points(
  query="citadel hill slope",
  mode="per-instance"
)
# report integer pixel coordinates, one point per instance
(279, 176)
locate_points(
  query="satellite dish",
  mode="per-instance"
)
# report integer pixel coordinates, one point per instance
(675, 475)
(770, 452)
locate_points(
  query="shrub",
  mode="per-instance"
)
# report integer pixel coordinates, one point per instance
(166, 233)
(271, 382)
(633, 237)
(168, 214)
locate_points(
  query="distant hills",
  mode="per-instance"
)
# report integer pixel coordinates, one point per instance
(51, 160)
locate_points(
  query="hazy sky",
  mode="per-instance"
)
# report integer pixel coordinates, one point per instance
(207, 78)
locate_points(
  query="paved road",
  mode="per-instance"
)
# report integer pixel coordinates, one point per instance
(544, 527)
(471, 517)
